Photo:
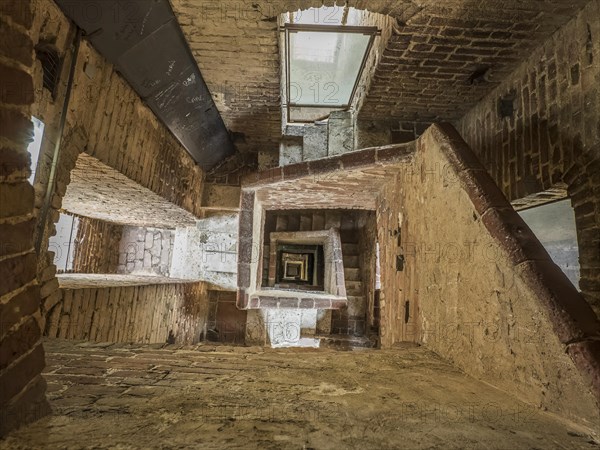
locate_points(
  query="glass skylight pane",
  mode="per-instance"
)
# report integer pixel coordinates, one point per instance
(324, 66)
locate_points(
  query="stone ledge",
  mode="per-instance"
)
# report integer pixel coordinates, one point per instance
(281, 299)
(367, 157)
(94, 280)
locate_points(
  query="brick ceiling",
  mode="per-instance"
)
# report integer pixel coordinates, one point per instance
(423, 74)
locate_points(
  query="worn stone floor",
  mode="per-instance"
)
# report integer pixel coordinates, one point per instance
(139, 397)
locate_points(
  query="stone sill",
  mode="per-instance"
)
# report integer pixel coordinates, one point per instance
(94, 280)
(283, 299)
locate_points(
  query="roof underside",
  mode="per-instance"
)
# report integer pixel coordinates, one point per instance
(423, 74)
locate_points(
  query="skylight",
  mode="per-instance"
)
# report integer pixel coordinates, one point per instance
(325, 58)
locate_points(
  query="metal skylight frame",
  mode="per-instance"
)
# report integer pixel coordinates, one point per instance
(289, 28)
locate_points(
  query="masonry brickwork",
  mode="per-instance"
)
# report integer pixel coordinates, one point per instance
(109, 122)
(22, 389)
(525, 330)
(95, 246)
(173, 313)
(550, 134)
(424, 73)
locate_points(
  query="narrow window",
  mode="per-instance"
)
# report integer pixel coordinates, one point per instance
(35, 146)
(63, 242)
(51, 65)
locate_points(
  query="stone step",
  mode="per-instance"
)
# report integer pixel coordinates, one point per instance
(282, 223)
(318, 222)
(332, 219)
(356, 305)
(354, 289)
(351, 261)
(293, 224)
(352, 274)
(350, 250)
(306, 222)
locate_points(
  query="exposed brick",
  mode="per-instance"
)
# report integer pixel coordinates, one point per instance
(19, 10)
(24, 304)
(17, 86)
(17, 45)
(16, 199)
(16, 238)
(31, 405)
(17, 376)
(359, 158)
(16, 272)
(544, 143)
(307, 303)
(14, 162)
(18, 342)
(18, 128)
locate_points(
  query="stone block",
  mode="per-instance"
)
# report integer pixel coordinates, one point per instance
(49, 287)
(315, 142)
(16, 272)
(17, 86)
(20, 11)
(341, 132)
(290, 151)
(21, 305)
(14, 164)
(149, 240)
(16, 199)
(17, 376)
(18, 342)
(16, 238)
(18, 46)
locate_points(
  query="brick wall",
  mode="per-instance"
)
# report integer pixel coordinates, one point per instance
(96, 246)
(174, 313)
(553, 134)
(424, 71)
(22, 389)
(107, 120)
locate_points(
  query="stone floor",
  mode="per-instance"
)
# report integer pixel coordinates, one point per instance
(126, 397)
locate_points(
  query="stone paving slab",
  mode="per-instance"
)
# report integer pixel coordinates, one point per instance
(170, 396)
